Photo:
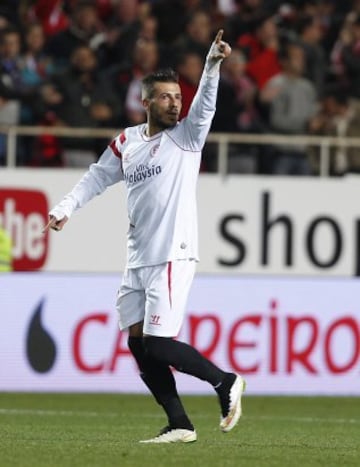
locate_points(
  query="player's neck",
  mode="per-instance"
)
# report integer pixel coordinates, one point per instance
(151, 129)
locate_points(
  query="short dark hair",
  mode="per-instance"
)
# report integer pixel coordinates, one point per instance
(284, 52)
(7, 31)
(166, 75)
(260, 19)
(83, 4)
(304, 23)
(339, 92)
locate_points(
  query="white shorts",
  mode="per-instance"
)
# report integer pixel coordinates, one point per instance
(156, 295)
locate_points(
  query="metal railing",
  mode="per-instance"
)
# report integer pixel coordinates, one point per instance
(325, 143)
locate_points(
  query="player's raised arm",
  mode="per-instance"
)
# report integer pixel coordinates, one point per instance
(197, 124)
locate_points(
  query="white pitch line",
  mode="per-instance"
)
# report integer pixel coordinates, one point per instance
(65, 413)
(305, 419)
(69, 413)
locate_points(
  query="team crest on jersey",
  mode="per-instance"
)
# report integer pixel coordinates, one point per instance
(154, 150)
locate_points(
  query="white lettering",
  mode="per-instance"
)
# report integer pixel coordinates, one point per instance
(25, 231)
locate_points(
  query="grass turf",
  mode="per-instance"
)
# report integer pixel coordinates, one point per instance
(102, 430)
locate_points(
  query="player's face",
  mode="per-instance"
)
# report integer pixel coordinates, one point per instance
(165, 105)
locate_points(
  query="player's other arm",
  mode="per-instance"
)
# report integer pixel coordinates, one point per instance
(198, 121)
(105, 172)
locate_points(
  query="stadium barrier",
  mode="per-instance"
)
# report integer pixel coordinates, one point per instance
(223, 140)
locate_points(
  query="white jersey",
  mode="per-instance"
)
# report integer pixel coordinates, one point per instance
(160, 173)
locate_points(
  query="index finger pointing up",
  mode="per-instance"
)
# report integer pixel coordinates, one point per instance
(219, 36)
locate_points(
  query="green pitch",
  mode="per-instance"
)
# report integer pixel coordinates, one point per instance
(67, 430)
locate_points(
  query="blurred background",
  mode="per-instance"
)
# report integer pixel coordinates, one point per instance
(277, 294)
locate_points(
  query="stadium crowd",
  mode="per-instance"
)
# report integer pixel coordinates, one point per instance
(295, 69)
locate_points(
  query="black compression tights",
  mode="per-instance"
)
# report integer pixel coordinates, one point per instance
(184, 358)
(159, 379)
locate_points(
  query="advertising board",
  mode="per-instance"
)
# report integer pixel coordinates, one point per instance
(247, 225)
(285, 336)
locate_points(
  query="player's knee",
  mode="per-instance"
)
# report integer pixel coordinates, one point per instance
(156, 347)
(136, 346)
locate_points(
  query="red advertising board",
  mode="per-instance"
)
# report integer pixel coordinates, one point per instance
(23, 214)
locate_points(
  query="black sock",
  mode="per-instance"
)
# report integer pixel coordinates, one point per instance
(223, 391)
(160, 380)
(184, 358)
(177, 417)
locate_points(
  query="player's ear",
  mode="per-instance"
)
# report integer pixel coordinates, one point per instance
(146, 103)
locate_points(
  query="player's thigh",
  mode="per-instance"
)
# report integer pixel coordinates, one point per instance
(167, 291)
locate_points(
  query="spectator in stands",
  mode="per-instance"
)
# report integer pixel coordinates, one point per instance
(292, 103)
(14, 92)
(12, 87)
(330, 16)
(4, 19)
(122, 32)
(242, 21)
(234, 73)
(261, 48)
(236, 112)
(9, 9)
(171, 17)
(310, 37)
(338, 116)
(344, 38)
(190, 66)
(105, 9)
(50, 14)
(87, 100)
(148, 28)
(351, 59)
(35, 66)
(198, 34)
(127, 80)
(84, 29)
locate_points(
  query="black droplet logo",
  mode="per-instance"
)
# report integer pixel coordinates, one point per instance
(40, 346)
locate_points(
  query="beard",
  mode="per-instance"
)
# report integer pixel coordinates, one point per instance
(161, 119)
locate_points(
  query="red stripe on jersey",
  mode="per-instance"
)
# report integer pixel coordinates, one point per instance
(169, 282)
(122, 138)
(114, 149)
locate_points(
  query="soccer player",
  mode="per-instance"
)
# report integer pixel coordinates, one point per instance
(159, 162)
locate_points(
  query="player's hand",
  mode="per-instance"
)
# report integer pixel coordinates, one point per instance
(55, 224)
(220, 49)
